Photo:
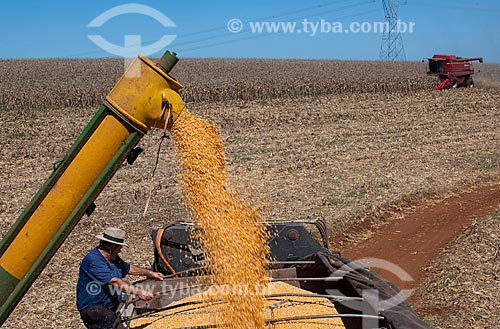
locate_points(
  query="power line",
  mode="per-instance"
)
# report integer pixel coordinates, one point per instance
(238, 37)
(453, 7)
(232, 35)
(220, 28)
(261, 35)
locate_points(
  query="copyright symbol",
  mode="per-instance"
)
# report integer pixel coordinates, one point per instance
(234, 25)
(93, 288)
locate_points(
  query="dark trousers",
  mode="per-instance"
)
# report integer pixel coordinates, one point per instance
(98, 317)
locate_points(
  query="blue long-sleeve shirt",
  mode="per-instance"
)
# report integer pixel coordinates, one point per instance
(93, 286)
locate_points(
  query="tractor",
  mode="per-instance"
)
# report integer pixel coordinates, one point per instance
(453, 71)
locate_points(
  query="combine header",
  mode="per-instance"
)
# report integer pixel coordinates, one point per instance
(453, 71)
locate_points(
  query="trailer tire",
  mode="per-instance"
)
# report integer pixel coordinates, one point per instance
(469, 83)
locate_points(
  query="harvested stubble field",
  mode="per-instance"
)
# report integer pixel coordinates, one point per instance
(346, 147)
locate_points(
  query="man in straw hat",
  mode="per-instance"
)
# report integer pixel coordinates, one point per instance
(100, 280)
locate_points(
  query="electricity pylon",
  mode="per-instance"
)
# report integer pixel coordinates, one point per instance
(392, 48)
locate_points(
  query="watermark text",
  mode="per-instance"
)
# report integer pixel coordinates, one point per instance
(315, 27)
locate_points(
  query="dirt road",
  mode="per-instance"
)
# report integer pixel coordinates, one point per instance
(414, 240)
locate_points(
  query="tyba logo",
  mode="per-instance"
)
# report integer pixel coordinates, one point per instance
(132, 43)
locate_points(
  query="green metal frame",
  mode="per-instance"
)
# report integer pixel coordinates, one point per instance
(53, 178)
(23, 285)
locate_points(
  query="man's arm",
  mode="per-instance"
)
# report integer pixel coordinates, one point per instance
(136, 270)
(131, 289)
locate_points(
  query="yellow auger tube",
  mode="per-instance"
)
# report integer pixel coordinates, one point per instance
(144, 97)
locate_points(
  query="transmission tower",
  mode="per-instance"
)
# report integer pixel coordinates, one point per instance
(392, 48)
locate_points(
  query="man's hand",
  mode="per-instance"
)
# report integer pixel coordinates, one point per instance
(136, 270)
(156, 275)
(144, 295)
(131, 289)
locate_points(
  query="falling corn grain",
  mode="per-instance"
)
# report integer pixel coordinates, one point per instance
(234, 243)
(231, 234)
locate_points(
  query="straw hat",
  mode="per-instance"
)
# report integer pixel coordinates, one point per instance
(113, 235)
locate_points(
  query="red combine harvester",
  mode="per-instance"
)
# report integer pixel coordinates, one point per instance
(453, 71)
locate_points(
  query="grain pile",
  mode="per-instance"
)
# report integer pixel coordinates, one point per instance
(231, 235)
(204, 304)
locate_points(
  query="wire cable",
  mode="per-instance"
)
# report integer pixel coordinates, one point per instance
(296, 18)
(223, 28)
(260, 35)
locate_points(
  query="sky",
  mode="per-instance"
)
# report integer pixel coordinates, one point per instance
(322, 29)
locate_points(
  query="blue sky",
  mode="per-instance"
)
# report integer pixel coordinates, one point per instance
(54, 28)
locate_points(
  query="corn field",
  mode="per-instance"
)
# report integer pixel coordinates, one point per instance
(46, 83)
